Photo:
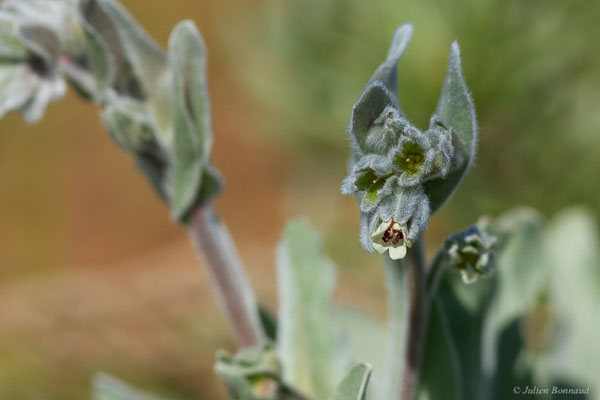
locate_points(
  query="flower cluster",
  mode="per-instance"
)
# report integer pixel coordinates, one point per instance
(471, 253)
(391, 161)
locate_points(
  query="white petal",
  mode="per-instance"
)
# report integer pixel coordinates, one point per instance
(483, 260)
(381, 228)
(468, 276)
(469, 250)
(473, 239)
(379, 248)
(453, 252)
(397, 253)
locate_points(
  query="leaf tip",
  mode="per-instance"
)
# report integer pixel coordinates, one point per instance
(400, 41)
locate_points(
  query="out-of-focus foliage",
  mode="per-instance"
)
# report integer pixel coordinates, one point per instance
(530, 66)
(534, 74)
(155, 105)
(106, 387)
(532, 322)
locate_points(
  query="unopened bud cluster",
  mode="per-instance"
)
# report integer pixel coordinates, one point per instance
(471, 253)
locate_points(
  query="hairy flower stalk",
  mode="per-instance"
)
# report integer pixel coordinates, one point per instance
(226, 272)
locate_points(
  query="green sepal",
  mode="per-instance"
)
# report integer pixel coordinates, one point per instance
(371, 103)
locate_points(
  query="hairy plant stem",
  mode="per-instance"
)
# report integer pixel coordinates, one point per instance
(229, 281)
(409, 308)
(79, 76)
(213, 242)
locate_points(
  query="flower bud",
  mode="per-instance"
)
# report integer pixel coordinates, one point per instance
(471, 253)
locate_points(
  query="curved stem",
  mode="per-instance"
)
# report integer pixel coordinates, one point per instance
(229, 281)
(79, 76)
(214, 245)
(435, 272)
(418, 310)
(409, 309)
(397, 309)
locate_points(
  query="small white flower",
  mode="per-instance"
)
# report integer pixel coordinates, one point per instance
(390, 235)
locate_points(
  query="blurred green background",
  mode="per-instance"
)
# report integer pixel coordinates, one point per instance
(94, 276)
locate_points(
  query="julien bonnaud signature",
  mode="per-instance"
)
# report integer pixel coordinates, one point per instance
(549, 390)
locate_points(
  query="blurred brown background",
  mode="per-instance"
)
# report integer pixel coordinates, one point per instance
(93, 274)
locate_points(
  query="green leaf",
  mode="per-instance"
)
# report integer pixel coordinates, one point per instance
(572, 264)
(101, 60)
(305, 341)
(268, 322)
(456, 109)
(520, 265)
(107, 57)
(354, 385)
(362, 337)
(191, 112)
(106, 387)
(387, 73)
(462, 315)
(441, 372)
(148, 62)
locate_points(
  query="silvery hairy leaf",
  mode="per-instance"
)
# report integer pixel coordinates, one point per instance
(106, 387)
(123, 42)
(572, 304)
(354, 385)
(380, 92)
(455, 107)
(306, 337)
(192, 140)
(387, 72)
(156, 105)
